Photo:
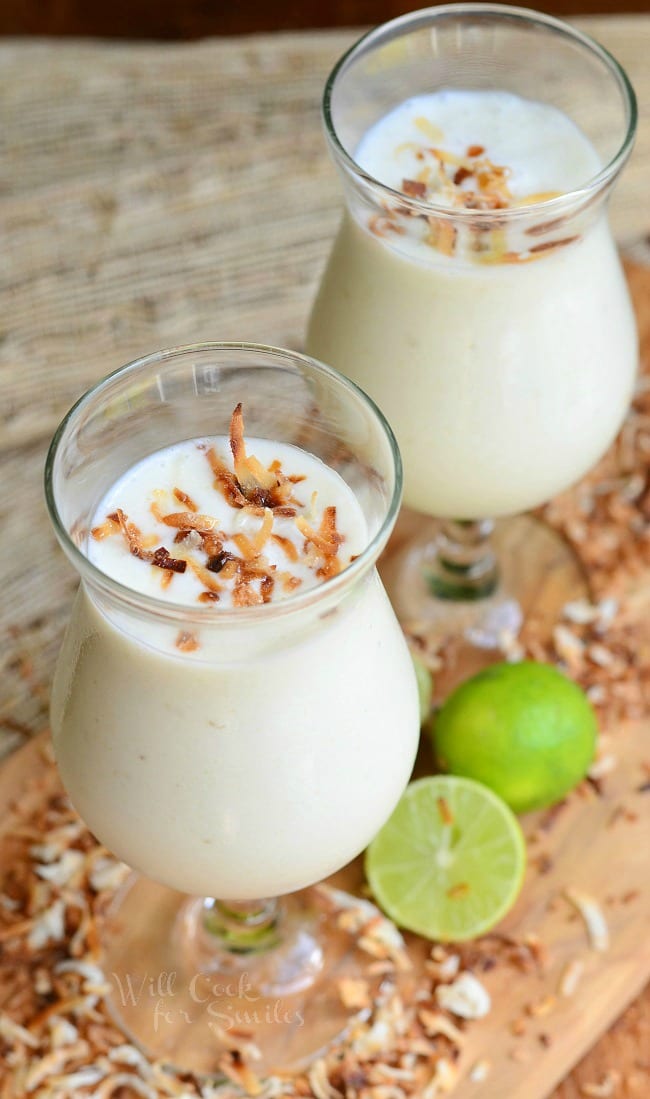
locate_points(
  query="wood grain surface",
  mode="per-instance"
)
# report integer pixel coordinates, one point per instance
(153, 195)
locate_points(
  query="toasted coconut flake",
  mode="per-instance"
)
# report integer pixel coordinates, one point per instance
(128, 1080)
(232, 1065)
(443, 1081)
(606, 1088)
(434, 1023)
(414, 188)
(52, 1063)
(226, 481)
(542, 1007)
(62, 1032)
(107, 873)
(72, 1081)
(13, 1032)
(448, 968)
(184, 520)
(354, 992)
(183, 498)
(327, 539)
(602, 766)
(205, 575)
(466, 997)
(571, 977)
(319, 1082)
(162, 559)
(248, 471)
(568, 646)
(208, 597)
(132, 534)
(49, 927)
(594, 919)
(109, 527)
(251, 547)
(480, 1071)
(581, 612)
(64, 870)
(287, 545)
(187, 642)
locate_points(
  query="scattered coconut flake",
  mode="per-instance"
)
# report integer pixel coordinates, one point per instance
(449, 967)
(107, 873)
(319, 1082)
(64, 870)
(593, 917)
(127, 1054)
(62, 1031)
(443, 1081)
(606, 1088)
(568, 647)
(53, 1062)
(81, 1078)
(354, 993)
(377, 935)
(603, 766)
(49, 927)
(601, 655)
(13, 1032)
(480, 1071)
(542, 1007)
(571, 977)
(466, 997)
(434, 1023)
(45, 852)
(111, 1086)
(581, 611)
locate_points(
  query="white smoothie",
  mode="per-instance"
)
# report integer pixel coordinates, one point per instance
(219, 755)
(504, 354)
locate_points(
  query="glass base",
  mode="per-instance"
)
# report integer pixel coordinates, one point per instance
(536, 574)
(189, 1002)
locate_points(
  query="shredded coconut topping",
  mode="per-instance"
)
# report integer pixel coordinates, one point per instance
(267, 543)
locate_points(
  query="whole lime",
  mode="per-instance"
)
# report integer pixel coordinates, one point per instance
(524, 730)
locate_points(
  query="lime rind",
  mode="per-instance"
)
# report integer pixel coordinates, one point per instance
(523, 729)
(487, 857)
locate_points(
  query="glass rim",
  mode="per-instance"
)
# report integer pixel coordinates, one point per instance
(210, 615)
(425, 16)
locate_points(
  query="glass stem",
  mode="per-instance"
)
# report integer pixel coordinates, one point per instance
(465, 566)
(242, 927)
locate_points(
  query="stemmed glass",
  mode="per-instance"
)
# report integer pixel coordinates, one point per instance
(251, 766)
(504, 354)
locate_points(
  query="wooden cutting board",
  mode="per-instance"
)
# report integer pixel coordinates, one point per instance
(598, 845)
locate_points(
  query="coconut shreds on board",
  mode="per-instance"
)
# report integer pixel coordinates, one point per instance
(57, 1039)
(593, 916)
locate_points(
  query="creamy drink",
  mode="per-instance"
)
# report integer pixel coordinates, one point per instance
(251, 733)
(488, 320)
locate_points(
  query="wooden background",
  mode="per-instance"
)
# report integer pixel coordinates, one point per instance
(169, 19)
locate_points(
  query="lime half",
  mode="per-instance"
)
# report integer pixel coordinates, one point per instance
(450, 861)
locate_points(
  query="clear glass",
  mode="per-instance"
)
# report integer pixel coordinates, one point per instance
(504, 350)
(254, 765)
